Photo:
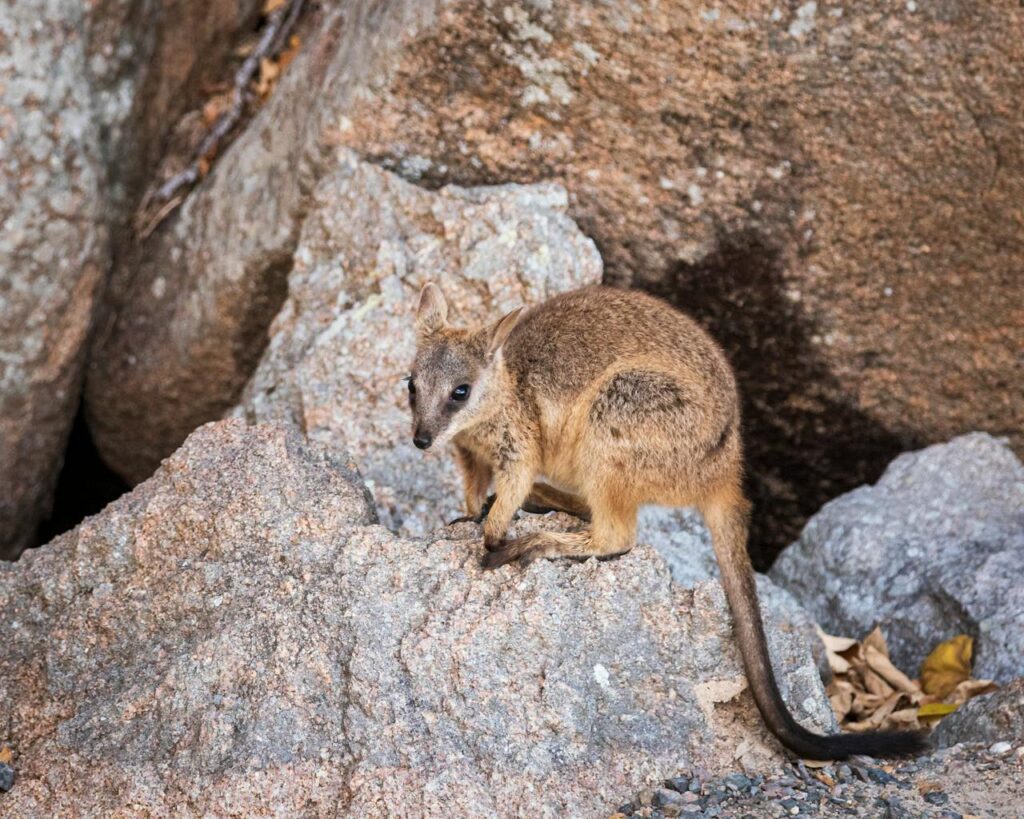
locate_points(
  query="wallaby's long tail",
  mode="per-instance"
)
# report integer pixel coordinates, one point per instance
(727, 520)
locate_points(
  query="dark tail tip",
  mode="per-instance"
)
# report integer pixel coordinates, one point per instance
(841, 746)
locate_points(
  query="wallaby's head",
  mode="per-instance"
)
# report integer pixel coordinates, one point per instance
(456, 375)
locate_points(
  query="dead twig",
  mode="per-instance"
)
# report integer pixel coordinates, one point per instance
(174, 191)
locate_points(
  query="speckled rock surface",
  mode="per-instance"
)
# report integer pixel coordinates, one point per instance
(995, 717)
(934, 549)
(232, 637)
(684, 543)
(345, 338)
(187, 312)
(53, 249)
(149, 62)
(87, 91)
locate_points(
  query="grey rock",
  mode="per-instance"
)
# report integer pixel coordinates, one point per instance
(934, 549)
(53, 249)
(87, 93)
(6, 777)
(188, 309)
(991, 718)
(345, 337)
(684, 543)
(235, 636)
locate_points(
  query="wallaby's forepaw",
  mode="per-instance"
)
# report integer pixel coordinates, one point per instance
(480, 517)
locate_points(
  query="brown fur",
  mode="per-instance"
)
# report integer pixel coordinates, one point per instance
(617, 400)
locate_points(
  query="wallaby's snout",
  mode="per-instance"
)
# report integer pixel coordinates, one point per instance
(422, 439)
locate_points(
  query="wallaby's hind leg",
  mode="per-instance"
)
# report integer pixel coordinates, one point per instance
(613, 532)
(545, 498)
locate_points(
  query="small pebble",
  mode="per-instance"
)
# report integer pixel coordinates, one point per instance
(880, 776)
(678, 783)
(1000, 748)
(936, 798)
(737, 782)
(665, 796)
(6, 777)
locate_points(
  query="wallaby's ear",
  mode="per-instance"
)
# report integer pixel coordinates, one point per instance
(432, 313)
(500, 331)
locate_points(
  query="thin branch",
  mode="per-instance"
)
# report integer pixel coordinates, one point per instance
(273, 38)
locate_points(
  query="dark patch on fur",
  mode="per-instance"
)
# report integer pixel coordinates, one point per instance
(508, 449)
(632, 395)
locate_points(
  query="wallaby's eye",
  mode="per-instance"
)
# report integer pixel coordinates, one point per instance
(460, 393)
(412, 385)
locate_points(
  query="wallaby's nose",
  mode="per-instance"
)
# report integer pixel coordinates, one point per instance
(422, 440)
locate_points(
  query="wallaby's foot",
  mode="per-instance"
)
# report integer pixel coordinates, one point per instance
(500, 553)
(528, 548)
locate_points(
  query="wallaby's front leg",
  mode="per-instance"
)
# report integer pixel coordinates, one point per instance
(476, 478)
(512, 484)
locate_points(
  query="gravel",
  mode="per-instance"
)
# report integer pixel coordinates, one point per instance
(962, 781)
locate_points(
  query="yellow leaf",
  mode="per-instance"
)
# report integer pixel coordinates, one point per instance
(947, 666)
(5, 755)
(936, 709)
(270, 6)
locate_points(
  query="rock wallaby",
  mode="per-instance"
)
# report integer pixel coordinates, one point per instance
(616, 400)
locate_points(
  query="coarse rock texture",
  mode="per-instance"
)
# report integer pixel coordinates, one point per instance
(86, 94)
(995, 717)
(345, 339)
(934, 549)
(236, 637)
(53, 250)
(188, 309)
(836, 192)
(684, 543)
(149, 63)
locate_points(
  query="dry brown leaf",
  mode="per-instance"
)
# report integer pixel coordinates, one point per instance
(876, 640)
(833, 646)
(270, 6)
(882, 665)
(5, 755)
(288, 54)
(816, 763)
(868, 692)
(875, 684)
(947, 666)
(969, 689)
(214, 107)
(269, 71)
